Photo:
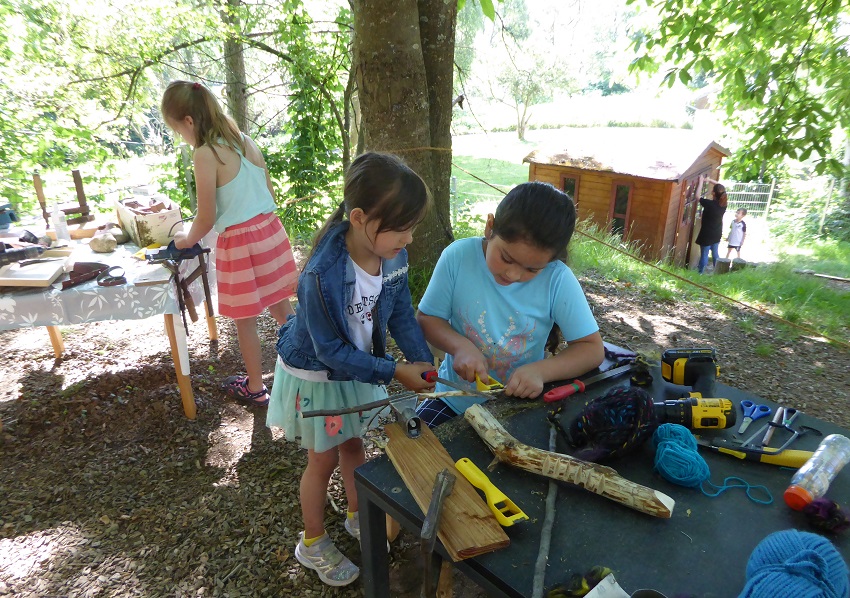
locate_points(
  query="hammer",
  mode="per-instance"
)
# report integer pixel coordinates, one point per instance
(443, 484)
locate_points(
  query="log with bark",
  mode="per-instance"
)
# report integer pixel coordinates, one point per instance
(596, 478)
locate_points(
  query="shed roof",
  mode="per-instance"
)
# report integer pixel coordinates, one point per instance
(661, 154)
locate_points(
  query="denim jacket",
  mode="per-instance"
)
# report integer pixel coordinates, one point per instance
(318, 338)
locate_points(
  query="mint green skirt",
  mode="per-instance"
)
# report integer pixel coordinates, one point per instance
(291, 395)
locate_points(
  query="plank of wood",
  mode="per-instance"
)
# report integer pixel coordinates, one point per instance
(154, 274)
(467, 526)
(33, 275)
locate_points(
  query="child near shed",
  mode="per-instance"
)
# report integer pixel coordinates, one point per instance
(492, 302)
(737, 233)
(255, 267)
(331, 355)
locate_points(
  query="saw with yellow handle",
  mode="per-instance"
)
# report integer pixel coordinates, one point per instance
(506, 512)
(783, 458)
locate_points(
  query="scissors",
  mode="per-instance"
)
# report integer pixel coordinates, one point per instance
(752, 412)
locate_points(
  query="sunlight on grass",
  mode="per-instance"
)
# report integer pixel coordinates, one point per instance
(776, 289)
(823, 256)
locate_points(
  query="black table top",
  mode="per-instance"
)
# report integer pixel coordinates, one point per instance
(702, 550)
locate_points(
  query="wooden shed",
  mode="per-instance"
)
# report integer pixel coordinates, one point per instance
(641, 184)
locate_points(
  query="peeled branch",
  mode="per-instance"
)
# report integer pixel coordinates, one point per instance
(593, 477)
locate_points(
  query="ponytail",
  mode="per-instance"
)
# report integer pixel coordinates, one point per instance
(212, 125)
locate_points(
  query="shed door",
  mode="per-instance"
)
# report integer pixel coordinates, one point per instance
(688, 204)
(621, 204)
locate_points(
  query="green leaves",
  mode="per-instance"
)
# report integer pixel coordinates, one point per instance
(487, 8)
(783, 66)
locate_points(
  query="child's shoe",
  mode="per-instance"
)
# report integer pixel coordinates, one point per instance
(333, 567)
(352, 526)
(237, 387)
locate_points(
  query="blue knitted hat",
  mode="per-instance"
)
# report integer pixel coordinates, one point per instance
(794, 564)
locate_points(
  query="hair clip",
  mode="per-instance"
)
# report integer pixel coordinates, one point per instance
(196, 85)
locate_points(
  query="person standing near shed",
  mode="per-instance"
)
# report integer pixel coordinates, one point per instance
(711, 229)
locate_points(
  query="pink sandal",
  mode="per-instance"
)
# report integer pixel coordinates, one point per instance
(237, 387)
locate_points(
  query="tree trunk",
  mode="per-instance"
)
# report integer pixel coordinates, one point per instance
(405, 91)
(234, 64)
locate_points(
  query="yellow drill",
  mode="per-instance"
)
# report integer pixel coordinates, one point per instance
(698, 369)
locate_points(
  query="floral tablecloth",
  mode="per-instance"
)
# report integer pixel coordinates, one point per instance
(88, 302)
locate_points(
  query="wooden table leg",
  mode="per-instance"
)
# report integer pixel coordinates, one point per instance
(211, 328)
(183, 380)
(56, 341)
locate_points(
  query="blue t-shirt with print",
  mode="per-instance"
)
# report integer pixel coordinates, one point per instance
(509, 324)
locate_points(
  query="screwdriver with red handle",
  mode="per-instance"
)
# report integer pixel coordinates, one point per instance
(562, 392)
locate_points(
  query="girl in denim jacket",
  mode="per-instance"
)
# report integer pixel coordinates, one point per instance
(331, 353)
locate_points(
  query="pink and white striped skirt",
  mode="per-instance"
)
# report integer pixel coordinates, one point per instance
(255, 267)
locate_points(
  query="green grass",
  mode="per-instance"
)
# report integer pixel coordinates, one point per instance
(499, 173)
(823, 256)
(804, 301)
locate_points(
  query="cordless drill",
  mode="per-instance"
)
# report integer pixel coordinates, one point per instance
(698, 369)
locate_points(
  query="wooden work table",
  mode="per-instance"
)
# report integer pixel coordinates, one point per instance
(702, 550)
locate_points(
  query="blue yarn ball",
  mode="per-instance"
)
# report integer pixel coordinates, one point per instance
(675, 433)
(676, 456)
(795, 564)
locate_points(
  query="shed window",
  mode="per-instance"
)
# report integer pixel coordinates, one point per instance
(569, 184)
(620, 204)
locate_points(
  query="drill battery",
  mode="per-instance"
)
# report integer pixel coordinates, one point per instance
(696, 368)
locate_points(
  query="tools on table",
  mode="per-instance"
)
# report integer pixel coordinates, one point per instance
(491, 384)
(562, 392)
(433, 377)
(443, 484)
(697, 368)
(752, 412)
(692, 367)
(506, 512)
(696, 413)
(783, 458)
(778, 420)
(403, 404)
(754, 449)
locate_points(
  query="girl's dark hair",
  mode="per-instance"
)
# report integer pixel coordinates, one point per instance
(538, 214)
(184, 98)
(720, 194)
(386, 189)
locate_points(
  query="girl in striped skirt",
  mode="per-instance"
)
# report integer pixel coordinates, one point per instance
(254, 263)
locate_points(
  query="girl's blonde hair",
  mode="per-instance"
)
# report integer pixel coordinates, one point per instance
(212, 125)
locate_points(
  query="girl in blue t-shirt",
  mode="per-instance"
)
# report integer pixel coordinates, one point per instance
(491, 303)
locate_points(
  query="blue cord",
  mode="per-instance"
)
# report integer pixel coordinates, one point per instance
(677, 460)
(743, 484)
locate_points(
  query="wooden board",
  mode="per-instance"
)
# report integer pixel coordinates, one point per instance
(33, 275)
(467, 526)
(153, 274)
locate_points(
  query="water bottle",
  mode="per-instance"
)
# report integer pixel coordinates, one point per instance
(812, 480)
(60, 225)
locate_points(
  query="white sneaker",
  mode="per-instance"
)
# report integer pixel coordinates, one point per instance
(352, 526)
(333, 567)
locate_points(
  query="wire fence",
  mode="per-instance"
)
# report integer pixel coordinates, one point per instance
(754, 197)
